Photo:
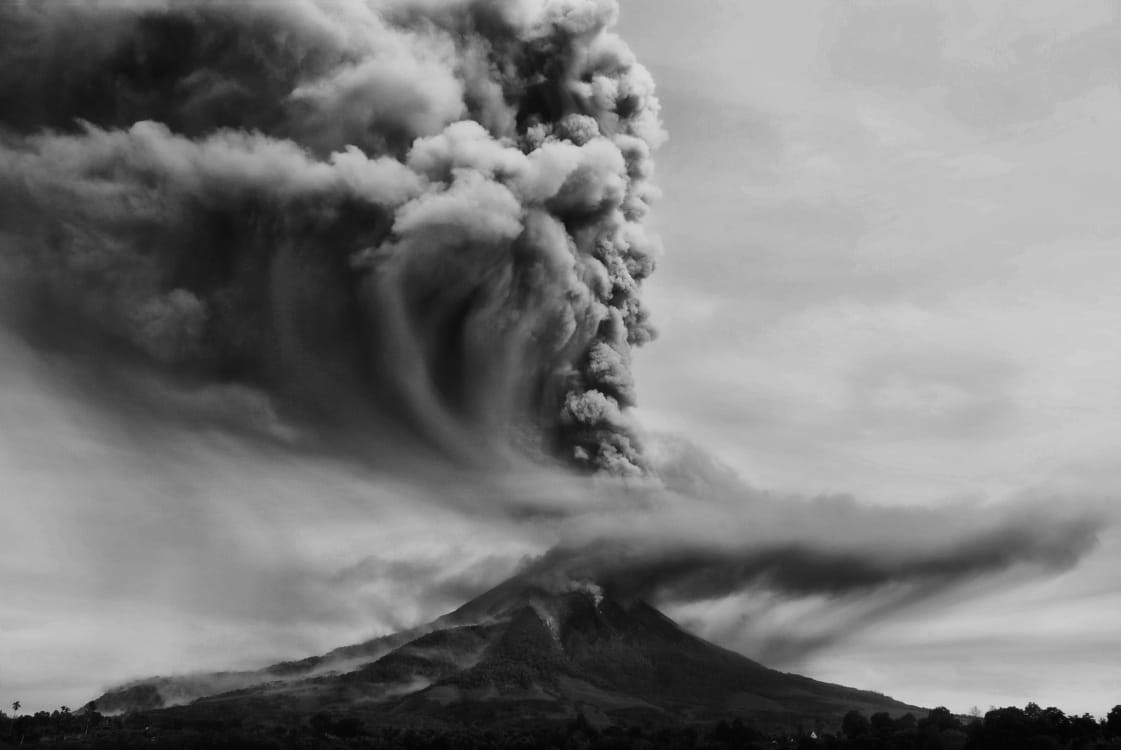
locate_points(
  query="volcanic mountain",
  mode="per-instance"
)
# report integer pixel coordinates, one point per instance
(519, 651)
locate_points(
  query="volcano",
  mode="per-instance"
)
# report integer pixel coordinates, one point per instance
(520, 651)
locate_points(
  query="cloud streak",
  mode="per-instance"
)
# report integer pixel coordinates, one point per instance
(704, 534)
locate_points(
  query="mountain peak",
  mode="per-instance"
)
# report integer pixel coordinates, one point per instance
(547, 593)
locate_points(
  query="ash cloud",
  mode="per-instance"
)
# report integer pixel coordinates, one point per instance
(747, 567)
(407, 213)
(804, 568)
(429, 210)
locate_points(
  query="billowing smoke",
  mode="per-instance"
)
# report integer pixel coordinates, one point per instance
(426, 212)
(409, 221)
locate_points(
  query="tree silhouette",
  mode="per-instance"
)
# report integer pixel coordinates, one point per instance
(882, 723)
(855, 725)
(16, 706)
(1113, 722)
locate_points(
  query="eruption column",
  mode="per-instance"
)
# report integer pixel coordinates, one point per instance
(433, 209)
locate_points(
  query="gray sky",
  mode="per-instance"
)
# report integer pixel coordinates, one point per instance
(890, 270)
(888, 274)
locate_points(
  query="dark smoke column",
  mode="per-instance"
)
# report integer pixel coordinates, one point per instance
(433, 207)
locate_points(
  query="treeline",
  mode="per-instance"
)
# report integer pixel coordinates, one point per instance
(1029, 728)
(1011, 728)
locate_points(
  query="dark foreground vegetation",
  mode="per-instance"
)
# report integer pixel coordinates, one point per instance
(1029, 728)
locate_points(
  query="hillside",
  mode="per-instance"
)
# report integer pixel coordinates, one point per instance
(515, 653)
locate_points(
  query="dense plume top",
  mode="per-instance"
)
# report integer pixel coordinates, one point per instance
(429, 209)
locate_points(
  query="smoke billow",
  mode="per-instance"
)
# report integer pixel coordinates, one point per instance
(688, 571)
(781, 576)
(413, 217)
(428, 211)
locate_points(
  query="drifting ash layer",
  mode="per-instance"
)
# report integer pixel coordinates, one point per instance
(431, 211)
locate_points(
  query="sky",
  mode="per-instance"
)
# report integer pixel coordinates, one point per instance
(890, 259)
(886, 320)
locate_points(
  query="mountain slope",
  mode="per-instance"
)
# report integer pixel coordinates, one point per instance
(518, 651)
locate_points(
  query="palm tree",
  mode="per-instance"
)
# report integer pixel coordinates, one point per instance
(16, 705)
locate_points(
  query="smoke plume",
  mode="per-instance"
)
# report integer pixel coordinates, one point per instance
(414, 221)
(427, 212)
(688, 571)
(780, 576)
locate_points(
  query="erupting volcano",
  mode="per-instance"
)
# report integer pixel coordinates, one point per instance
(521, 651)
(318, 317)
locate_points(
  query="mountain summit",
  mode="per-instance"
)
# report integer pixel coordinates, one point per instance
(520, 650)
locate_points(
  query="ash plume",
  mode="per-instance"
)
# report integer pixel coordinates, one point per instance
(430, 212)
(786, 575)
(406, 220)
(684, 572)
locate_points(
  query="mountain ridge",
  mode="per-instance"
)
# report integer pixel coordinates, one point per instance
(520, 650)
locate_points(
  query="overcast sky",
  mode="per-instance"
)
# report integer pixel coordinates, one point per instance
(889, 268)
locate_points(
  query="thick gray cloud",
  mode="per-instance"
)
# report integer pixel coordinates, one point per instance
(430, 213)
